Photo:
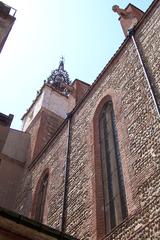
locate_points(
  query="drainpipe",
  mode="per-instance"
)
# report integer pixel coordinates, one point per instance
(66, 175)
(131, 33)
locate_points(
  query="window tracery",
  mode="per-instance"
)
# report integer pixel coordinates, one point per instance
(41, 198)
(113, 186)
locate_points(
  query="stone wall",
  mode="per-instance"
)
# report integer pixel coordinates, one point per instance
(138, 132)
(145, 223)
(17, 145)
(148, 36)
(11, 173)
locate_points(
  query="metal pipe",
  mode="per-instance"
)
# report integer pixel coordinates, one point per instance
(145, 74)
(66, 175)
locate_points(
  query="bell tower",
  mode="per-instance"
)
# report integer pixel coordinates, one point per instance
(49, 109)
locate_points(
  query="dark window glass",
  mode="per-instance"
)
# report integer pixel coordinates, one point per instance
(41, 197)
(113, 186)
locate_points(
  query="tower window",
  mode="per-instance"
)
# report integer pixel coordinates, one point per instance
(113, 186)
(40, 199)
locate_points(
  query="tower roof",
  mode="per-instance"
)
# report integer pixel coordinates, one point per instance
(59, 78)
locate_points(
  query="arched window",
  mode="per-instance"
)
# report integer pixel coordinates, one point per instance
(40, 198)
(113, 187)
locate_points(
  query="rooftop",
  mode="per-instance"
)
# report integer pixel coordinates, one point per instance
(7, 10)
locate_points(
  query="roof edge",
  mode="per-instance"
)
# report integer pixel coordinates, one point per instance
(27, 222)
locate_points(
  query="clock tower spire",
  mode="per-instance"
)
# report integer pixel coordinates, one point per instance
(59, 78)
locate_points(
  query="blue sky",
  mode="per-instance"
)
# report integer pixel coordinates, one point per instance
(87, 33)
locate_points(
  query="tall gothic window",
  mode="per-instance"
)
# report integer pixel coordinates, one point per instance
(40, 199)
(113, 187)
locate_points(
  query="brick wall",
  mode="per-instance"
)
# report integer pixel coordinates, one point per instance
(80, 89)
(139, 133)
(48, 126)
(41, 129)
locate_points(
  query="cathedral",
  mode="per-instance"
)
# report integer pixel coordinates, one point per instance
(86, 164)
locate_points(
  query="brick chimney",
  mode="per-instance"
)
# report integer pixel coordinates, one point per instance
(129, 16)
